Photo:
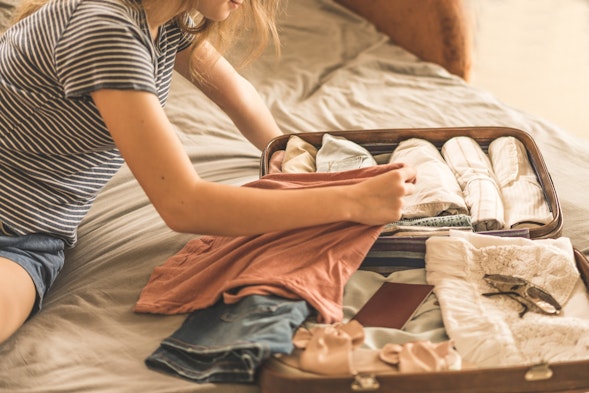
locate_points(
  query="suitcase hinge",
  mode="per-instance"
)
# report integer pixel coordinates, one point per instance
(365, 383)
(539, 372)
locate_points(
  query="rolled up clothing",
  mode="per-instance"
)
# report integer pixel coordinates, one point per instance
(428, 225)
(338, 154)
(299, 156)
(523, 197)
(437, 191)
(474, 172)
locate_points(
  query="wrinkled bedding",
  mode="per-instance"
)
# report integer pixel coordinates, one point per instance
(336, 72)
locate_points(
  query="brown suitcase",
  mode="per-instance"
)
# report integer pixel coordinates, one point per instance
(277, 376)
(384, 141)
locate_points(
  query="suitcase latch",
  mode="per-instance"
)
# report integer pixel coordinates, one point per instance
(365, 383)
(539, 372)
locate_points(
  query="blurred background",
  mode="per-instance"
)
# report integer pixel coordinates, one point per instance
(534, 55)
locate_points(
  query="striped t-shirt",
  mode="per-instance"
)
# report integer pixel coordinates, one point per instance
(55, 151)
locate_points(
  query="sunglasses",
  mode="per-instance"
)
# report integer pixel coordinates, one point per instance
(529, 295)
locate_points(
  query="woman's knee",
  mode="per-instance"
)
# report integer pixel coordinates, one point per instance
(17, 297)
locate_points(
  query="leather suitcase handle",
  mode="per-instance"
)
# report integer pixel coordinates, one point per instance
(583, 266)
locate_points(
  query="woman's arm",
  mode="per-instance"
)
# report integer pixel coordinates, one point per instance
(147, 142)
(231, 92)
(439, 31)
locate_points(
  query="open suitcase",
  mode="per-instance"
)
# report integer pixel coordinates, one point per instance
(384, 141)
(280, 376)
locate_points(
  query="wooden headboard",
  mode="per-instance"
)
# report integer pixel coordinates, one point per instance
(439, 31)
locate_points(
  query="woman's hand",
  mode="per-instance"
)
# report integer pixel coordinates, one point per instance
(379, 200)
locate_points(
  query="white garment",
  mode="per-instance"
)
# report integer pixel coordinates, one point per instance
(436, 190)
(338, 154)
(474, 173)
(299, 156)
(488, 331)
(523, 197)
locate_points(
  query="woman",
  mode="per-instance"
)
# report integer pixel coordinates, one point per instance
(82, 86)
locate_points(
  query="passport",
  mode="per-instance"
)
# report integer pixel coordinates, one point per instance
(393, 305)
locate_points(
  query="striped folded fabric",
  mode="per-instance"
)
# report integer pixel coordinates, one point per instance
(523, 196)
(393, 253)
(474, 173)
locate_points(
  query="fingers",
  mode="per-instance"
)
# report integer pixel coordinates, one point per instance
(409, 174)
(410, 186)
(381, 198)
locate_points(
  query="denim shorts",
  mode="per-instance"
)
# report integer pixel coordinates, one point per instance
(228, 342)
(42, 256)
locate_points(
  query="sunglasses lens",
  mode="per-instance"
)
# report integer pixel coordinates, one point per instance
(543, 300)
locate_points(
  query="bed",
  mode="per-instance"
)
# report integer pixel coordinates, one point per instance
(337, 71)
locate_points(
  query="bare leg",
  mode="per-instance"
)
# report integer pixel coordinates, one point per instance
(17, 297)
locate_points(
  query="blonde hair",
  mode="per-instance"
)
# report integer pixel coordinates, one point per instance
(256, 17)
(255, 20)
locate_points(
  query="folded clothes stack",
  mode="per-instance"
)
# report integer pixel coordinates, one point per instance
(498, 190)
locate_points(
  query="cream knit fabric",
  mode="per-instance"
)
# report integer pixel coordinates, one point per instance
(488, 331)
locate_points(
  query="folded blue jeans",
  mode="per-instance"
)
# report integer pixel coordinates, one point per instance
(228, 342)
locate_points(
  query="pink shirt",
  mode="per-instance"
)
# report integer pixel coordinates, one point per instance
(311, 263)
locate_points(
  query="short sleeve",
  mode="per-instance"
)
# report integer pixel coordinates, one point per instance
(104, 48)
